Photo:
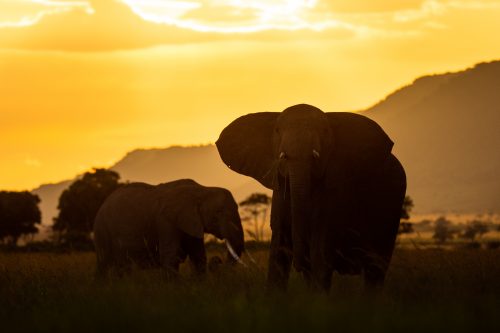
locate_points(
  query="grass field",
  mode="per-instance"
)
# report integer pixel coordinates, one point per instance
(426, 290)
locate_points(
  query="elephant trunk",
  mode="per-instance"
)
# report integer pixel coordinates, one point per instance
(300, 194)
(235, 242)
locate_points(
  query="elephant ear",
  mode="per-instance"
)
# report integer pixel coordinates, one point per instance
(189, 221)
(360, 145)
(246, 146)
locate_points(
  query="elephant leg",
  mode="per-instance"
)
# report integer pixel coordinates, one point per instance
(320, 268)
(102, 243)
(377, 261)
(383, 201)
(195, 248)
(321, 272)
(102, 268)
(171, 255)
(374, 275)
(281, 254)
(104, 257)
(322, 280)
(121, 259)
(122, 267)
(280, 261)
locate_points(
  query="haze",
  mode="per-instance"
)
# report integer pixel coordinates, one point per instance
(83, 82)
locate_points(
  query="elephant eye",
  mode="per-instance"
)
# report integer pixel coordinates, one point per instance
(282, 155)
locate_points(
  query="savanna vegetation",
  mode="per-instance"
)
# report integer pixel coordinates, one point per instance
(440, 279)
(426, 290)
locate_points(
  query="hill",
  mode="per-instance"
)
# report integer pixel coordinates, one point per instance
(154, 166)
(201, 163)
(446, 130)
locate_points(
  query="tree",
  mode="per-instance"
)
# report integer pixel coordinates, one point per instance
(78, 204)
(255, 208)
(407, 207)
(443, 230)
(475, 228)
(406, 227)
(19, 215)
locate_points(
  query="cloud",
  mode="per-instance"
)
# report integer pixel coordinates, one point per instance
(368, 6)
(398, 6)
(21, 13)
(235, 16)
(472, 4)
(104, 25)
(217, 14)
(113, 25)
(428, 9)
(405, 18)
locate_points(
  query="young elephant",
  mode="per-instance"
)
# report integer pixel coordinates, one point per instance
(162, 225)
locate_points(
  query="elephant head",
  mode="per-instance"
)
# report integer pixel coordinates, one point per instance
(304, 150)
(210, 210)
(219, 213)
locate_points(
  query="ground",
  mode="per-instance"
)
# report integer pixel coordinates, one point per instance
(426, 290)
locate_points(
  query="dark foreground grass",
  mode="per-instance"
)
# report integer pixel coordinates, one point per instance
(426, 290)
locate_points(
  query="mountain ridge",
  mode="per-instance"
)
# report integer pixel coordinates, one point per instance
(446, 148)
(449, 141)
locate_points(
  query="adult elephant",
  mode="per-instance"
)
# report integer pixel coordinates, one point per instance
(338, 190)
(162, 225)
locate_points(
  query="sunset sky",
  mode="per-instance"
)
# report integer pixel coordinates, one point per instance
(83, 82)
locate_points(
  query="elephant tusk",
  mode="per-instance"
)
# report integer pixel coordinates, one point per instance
(233, 253)
(251, 257)
(315, 153)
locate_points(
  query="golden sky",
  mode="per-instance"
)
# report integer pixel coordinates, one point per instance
(84, 81)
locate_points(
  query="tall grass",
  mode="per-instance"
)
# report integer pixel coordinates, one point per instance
(428, 290)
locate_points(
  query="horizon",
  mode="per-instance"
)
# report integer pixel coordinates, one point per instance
(86, 82)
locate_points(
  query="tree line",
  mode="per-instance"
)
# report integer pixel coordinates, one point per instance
(79, 203)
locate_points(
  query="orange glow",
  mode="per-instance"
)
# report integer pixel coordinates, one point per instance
(83, 82)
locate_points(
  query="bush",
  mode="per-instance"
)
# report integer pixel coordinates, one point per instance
(493, 245)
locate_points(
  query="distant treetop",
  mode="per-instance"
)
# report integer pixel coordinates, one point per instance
(19, 215)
